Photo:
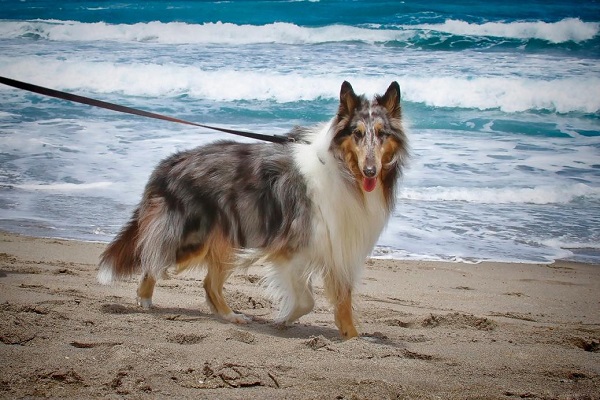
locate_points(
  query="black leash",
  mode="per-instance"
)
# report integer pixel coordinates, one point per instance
(128, 110)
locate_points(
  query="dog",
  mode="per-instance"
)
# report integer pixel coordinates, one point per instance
(313, 206)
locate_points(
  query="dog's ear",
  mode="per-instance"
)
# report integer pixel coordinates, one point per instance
(391, 100)
(348, 100)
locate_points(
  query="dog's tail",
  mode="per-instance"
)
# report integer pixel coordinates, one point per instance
(121, 258)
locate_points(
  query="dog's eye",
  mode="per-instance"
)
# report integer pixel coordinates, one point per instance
(358, 133)
(383, 134)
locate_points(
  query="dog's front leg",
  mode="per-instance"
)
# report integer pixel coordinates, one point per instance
(344, 318)
(340, 296)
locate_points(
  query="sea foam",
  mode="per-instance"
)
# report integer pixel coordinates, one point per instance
(568, 29)
(63, 187)
(508, 195)
(184, 33)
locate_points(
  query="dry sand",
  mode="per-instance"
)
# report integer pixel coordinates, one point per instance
(429, 330)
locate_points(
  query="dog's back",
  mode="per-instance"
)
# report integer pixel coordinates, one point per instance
(251, 195)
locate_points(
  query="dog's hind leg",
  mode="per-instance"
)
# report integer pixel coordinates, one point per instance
(145, 291)
(158, 234)
(213, 285)
(219, 260)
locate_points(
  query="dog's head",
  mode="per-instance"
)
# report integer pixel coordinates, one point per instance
(369, 139)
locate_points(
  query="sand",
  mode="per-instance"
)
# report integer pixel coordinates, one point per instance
(429, 330)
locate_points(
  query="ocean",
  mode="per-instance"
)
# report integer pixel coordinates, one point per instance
(501, 101)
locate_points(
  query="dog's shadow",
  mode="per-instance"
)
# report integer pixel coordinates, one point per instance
(259, 324)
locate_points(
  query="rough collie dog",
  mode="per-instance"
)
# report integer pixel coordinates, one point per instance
(313, 206)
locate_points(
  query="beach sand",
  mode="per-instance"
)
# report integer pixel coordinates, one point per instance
(429, 330)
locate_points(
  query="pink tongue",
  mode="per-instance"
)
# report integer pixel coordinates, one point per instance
(369, 184)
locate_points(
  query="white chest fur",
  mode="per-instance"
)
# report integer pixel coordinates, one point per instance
(345, 225)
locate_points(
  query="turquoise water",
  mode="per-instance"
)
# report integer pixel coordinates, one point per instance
(500, 99)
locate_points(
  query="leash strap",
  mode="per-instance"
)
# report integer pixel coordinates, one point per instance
(128, 110)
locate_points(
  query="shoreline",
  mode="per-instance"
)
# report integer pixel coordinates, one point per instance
(585, 252)
(429, 329)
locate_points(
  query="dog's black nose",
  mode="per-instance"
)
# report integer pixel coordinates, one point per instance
(369, 171)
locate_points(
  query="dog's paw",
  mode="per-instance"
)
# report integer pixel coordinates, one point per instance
(144, 303)
(237, 318)
(282, 325)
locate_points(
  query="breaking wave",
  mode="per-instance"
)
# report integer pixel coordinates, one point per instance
(566, 30)
(506, 93)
